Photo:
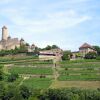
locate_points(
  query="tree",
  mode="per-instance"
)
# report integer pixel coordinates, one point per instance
(54, 47)
(90, 55)
(12, 77)
(69, 94)
(97, 48)
(17, 96)
(66, 55)
(1, 75)
(2, 91)
(24, 91)
(48, 47)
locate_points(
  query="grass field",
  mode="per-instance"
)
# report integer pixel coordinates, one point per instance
(79, 71)
(22, 60)
(38, 83)
(84, 74)
(81, 65)
(88, 77)
(78, 84)
(31, 70)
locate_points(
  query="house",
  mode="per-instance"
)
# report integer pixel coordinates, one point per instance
(50, 54)
(86, 48)
(83, 50)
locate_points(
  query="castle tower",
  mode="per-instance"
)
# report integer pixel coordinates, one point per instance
(4, 33)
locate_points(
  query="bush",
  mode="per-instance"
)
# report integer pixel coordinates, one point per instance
(90, 55)
(1, 75)
(70, 94)
(66, 55)
(42, 76)
(25, 92)
(12, 77)
(66, 68)
(98, 57)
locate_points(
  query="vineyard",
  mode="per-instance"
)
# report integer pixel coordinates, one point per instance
(44, 74)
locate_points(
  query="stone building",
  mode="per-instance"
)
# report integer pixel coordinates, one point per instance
(83, 50)
(8, 43)
(51, 54)
(86, 48)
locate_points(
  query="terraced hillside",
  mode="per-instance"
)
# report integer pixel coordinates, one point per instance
(44, 74)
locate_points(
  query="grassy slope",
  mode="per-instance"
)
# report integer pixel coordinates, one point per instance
(38, 83)
(30, 70)
(64, 78)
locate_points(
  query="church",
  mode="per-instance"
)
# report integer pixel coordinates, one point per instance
(8, 43)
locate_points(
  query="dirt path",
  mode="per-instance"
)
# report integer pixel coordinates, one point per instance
(55, 71)
(55, 74)
(5, 69)
(24, 78)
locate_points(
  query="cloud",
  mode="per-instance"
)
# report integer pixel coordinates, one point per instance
(53, 21)
(61, 22)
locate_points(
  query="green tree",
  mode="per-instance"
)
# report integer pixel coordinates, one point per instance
(48, 47)
(97, 48)
(1, 75)
(54, 47)
(12, 77)
(2, 91)
(66, 55)
(25, 92)
(90, 55)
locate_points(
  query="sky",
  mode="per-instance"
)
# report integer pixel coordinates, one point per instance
(66, 23)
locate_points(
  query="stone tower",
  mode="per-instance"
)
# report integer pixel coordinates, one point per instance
(4, 33)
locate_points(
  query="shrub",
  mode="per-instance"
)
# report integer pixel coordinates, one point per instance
(66, 68)
(25, 92)
(98, 57)
(90, 55)
(42, 76)
(66, 55)
(1, 75)
(12, 77)
(70, 94)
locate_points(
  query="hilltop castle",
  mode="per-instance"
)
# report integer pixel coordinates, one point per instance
(8, 43)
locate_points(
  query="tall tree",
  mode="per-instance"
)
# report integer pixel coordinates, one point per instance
(97, 48)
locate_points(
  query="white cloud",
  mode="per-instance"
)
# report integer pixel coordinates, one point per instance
(39, 21)
(53, 21)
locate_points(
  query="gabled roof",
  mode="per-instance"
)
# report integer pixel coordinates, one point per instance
(86, 45)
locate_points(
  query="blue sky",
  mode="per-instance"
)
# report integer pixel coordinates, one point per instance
(66, 23)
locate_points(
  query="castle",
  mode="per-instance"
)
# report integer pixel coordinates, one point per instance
(8, 43)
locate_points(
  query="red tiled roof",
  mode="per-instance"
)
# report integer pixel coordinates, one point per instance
(86, 45)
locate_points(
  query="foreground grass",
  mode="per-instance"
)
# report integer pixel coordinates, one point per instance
(38, 83)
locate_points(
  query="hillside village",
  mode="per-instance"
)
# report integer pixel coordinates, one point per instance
(8, 43)
(49, 49)
(28, 72)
